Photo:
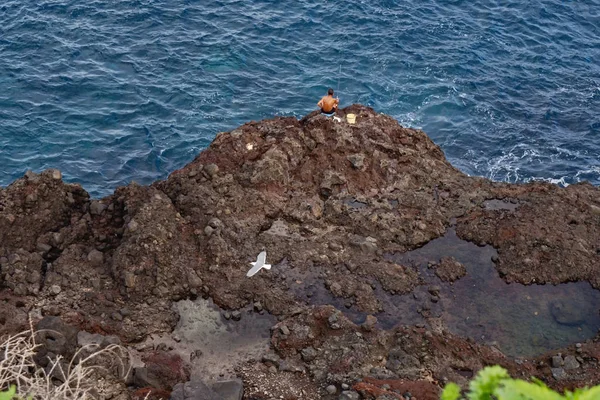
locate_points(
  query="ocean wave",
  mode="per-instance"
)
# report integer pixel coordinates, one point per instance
(113, 92)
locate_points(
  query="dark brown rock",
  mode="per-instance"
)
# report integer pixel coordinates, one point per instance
(329, 202)
(449, 270)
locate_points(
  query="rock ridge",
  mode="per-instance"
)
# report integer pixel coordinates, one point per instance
(329, 200)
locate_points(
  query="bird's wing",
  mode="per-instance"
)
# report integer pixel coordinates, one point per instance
(257, 267)
(267, 266)
(262, 257)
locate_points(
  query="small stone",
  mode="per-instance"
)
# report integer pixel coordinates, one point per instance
(308, 354)
(129, 279)
(96, 258)
(335, 288)
(55, 289)
(559, 373)
(30, 175)
(192, 173)
(116, 316)
(271, 358)
(434, 290)
(349, 395)
(11, 219)
(331, 389)
(13, 258)
(208, 230)
(57, 239)
(125, 312)
(578, 345)
(571, 363)
(43, 247)
(284, 330)
(258, 307)
(335, 246)
(211, 170)
(215, 223)
(290, 366)
(557, 361)
(132, 226)
(345, 386)
(333, 321)
(357, 161)
(227, 315)
(56, 175)
(195, 354)
(369, 323)
(236, 315)
(495, 258)
(97, 208)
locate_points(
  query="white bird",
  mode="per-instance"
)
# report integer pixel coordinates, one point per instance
(259, 264)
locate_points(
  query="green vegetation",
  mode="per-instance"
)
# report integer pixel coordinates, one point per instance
(9, 394)
(494, 383)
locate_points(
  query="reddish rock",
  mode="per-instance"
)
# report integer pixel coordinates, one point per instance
(329, 202)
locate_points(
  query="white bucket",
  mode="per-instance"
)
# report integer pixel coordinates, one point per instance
(351, 118)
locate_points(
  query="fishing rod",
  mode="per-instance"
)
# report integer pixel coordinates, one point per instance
(338, 86)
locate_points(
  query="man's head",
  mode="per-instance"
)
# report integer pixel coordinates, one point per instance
(330, 92)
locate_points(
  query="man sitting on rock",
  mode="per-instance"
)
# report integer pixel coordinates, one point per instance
(328, 104)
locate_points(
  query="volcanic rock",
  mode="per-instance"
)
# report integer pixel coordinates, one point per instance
(329, 202)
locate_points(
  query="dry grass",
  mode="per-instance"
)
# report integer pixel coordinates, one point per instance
(61, 379)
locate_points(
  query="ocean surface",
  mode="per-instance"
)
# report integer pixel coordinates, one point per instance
(115, 91)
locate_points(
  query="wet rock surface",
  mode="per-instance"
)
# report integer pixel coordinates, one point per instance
(342, 211)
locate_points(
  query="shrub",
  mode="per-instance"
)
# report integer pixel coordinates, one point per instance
(21, 378)
(495, 383)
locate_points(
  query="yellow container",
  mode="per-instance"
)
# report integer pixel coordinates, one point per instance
(351, 118)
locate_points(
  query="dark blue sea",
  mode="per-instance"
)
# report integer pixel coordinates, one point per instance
(115, 91)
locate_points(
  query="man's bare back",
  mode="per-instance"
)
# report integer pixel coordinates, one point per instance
(328, 104)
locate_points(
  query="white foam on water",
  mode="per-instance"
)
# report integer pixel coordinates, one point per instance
(562, 181)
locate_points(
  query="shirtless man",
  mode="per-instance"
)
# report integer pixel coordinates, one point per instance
(328, 104)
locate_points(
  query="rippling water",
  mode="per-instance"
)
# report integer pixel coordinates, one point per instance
(114, 91)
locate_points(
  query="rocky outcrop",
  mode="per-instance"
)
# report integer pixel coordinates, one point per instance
(329, 201)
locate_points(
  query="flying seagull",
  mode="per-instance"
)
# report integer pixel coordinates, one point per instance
(259, 264)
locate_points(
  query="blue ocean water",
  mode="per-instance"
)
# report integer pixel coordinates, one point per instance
(115, 91)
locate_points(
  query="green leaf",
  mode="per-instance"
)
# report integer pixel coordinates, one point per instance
(520, 390)
(494, 383)
(9, 394)
(451, 392)
(587, 394)
(482, 387)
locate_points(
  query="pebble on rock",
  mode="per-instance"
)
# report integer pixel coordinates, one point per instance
(132, 226)
(559, 373)
(557, 361)
(349, 395)
(284, 330)
(570, 363)
(96, 258)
